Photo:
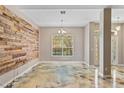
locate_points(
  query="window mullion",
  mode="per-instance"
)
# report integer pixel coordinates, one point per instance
(62, 45)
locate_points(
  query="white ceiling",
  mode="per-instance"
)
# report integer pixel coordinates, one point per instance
(45, 15)
(52, 17)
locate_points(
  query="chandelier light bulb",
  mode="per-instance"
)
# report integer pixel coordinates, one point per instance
(118, 28)
(63, 31)
(115, 33)
(59, 31)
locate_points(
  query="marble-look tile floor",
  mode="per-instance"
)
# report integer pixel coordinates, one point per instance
(68, 75)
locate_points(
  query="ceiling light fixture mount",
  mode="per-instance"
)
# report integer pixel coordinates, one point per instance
(63, 12)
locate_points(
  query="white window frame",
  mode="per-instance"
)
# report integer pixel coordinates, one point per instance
(62, 47)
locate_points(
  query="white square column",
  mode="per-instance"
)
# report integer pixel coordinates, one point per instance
(105, 44)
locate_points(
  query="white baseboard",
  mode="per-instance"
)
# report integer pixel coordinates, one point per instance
(61, 62)
(8, 77)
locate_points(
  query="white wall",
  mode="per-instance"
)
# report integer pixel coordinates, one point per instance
(89, 54)
(89, 44)
(86, 44)
(46, 42)
(121, 45)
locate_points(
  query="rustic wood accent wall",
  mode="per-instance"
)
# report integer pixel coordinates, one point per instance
(18, 41)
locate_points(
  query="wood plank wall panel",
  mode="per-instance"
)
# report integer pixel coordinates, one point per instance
(18, 41)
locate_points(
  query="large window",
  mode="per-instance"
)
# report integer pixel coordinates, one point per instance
(62, 45)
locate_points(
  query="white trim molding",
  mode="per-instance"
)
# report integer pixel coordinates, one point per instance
(62, 62)
(8, 77)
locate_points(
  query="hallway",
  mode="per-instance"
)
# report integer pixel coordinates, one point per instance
(68, 75)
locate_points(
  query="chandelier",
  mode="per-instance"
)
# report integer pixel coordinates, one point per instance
(118, 27)
(61, 30)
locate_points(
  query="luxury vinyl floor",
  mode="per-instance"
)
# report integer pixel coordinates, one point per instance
(68, 75)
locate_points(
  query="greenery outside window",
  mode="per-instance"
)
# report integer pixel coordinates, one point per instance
(62, 45)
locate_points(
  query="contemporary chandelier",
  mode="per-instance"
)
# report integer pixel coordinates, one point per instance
(61, 30)
(118, 27)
